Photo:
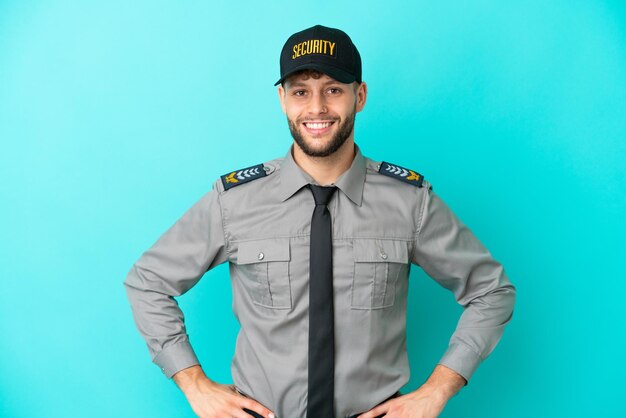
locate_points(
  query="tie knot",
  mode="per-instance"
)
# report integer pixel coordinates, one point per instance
(322, 194)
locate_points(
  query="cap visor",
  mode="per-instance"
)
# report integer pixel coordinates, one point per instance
(336, 73)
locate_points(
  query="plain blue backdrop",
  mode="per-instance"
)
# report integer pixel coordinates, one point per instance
(116, 116)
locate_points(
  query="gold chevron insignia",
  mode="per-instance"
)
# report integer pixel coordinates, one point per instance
(413, 176)
(231, 178)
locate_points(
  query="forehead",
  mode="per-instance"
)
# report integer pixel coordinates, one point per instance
(307, 78)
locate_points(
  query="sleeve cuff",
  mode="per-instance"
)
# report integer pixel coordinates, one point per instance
(461, 359)
(176, 357)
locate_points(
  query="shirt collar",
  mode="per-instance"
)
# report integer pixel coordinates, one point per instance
(350, 182)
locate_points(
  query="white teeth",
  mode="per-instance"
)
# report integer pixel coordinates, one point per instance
(318, 125)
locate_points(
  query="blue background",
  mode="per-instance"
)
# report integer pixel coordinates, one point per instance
(115, 117)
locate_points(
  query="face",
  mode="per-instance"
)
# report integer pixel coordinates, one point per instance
(321, 111)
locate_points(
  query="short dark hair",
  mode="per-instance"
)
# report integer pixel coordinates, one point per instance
(313, 74)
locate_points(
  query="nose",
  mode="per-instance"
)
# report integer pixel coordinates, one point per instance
(318, 104)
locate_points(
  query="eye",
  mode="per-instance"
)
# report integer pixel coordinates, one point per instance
(298, 93)
(334, 90)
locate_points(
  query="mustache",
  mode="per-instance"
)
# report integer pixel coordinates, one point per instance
(325, 119)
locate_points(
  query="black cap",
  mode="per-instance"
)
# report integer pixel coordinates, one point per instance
(327, 50)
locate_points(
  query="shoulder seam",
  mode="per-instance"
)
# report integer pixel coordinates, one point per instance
(226, 241)
(420, 217)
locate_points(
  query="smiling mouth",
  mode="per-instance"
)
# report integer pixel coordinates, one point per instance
(318, 127)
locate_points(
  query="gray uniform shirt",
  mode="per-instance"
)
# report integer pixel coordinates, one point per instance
(381, 226)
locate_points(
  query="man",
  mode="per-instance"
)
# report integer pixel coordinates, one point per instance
(320, 245)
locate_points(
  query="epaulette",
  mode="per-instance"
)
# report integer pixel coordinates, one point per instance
(401, 173)
(244, 175)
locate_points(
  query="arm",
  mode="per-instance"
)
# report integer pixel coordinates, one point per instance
(173, 265)
(449, 253)
(444, 383)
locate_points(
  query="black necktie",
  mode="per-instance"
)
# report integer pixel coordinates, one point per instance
(321, 319)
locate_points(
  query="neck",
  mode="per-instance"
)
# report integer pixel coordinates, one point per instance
(326, 170)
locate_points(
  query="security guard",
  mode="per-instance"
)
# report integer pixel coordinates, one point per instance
(320, 244)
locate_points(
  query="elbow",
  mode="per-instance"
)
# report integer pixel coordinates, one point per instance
(509, 295)
(134, 281)
(499, 301)
(503, 300)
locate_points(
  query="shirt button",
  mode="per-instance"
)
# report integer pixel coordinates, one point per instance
(383, 255)
(261, 255)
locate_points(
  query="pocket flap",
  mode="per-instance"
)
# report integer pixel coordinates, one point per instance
(263, 250)
(380, 250)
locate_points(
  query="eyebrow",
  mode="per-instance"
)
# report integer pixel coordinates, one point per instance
(295, 84)
(301, 84)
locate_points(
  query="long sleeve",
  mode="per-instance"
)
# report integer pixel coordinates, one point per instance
(450, 253)
(172, 266)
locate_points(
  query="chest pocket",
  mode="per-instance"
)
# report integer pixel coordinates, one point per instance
(264, 267)
(378, 264)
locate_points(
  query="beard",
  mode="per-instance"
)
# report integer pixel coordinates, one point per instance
(338, 139)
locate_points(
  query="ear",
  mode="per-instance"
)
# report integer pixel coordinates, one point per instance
(361, 96)
(281, 96)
